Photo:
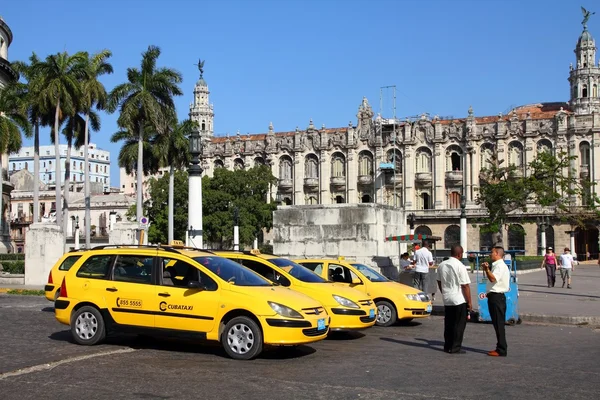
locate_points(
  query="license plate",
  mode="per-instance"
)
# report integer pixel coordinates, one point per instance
(429, 308)
(321, 324)
(372, 313)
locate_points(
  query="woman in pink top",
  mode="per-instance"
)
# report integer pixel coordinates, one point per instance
(550, 263)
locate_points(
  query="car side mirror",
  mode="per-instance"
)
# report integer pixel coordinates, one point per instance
(356, 281)
(196, 285)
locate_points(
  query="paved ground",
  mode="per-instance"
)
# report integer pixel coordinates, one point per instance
(38, 360)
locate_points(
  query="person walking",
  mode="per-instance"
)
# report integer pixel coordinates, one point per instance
(423, 260)
(550, 263)
(499, 277)
(453, 281)
(566, 265)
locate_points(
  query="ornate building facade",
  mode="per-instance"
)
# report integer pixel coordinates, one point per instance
(425, 164)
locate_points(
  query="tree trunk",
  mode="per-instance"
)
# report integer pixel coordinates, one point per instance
(36, 173)
(171, 199)
(67, 187)
(57, 174)
(140, 173)
(86, 183)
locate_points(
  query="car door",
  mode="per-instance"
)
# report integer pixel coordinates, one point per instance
(181, 307)
(343, 275)
(130, 294)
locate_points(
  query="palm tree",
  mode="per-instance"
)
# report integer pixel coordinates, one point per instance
(13, 121)
(93, 95)
(60, 75)
(172, 150)
(32, 102)
(145, 99)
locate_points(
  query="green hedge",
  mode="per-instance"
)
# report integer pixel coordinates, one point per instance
(12, 257)
(13, 267)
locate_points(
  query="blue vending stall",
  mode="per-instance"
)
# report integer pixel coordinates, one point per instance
(512, 296)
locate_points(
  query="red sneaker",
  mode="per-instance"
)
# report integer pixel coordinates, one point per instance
(494, 353)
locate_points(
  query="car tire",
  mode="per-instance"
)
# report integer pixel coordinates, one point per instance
(242, 338)
(87, 326)
(386, 313)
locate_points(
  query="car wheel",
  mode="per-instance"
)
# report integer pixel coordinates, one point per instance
(87, 326)
(242, 338)
(386, 313)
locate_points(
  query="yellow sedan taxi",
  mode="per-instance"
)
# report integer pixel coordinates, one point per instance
(173, 290)
(394, 300)
(349, 309)
(57, 273)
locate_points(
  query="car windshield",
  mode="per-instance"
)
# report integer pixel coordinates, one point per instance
(370, 273)
(297, 271)
(231, 271)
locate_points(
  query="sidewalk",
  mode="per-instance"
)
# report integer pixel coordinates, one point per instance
(539, 303)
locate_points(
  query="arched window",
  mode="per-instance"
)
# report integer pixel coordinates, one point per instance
(338, 168)
(487, 152)
(423, 230)
(365, 165)
(312, 200)
(423, 160)
(454, 200)
(339, 199)
(595, 90)
(584, 153)
(366, 198)
(285, 168)
(486, 241)
(219, 164)
(544, 145)
(516, 237)
(515, 154)
(397, 161)
(287, 201)
(584, 92)
(238, 164)
(424, 201)
(258, 161)
(454, 158)
(451, 236)
(311, 166)
(203, 126)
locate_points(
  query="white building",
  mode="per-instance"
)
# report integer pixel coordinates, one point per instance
(99, 164)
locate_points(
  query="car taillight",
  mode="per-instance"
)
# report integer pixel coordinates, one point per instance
(50, 277)
(63, 288)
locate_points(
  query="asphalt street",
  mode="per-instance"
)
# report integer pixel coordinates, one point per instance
(39, 360)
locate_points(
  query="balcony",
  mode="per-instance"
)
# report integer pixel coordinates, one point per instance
(584, 171)
(311, 183)
(454, 177)
(423, 178)
(338, 181)
(393, 180)
(286, 184)
(365, 179)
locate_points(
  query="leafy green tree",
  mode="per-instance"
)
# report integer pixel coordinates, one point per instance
(145, 99)
(157, 207)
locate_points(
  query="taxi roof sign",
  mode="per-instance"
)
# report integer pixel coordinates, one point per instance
(177, 244)
(255, 252)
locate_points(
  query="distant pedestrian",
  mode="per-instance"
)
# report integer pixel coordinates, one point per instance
(453, 281)
(566, 265)
(550, 263)
(499, 277)
(423, 260)
(406, 264)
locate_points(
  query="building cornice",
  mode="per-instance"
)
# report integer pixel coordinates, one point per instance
(7, 69)
(4, 26)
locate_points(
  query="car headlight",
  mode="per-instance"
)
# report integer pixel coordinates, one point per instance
(284, 311)
(424, 297)
(345, 302)
(413, 297)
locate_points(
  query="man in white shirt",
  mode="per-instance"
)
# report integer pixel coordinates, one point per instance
(453, 281)
(423, 260)
(499, 277)
(566, 264)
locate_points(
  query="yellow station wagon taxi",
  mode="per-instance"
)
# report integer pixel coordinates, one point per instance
(57, 273)
(183, 291)
(394, 300)
(349, 309)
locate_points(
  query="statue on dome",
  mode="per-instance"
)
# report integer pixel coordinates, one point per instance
(586, 17)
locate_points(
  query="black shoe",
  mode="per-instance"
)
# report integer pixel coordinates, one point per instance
(569, 287)
(458, 352)
(563, 284)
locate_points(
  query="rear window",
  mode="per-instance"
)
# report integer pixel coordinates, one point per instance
(68, 262)
(96, 267)
(296, 270)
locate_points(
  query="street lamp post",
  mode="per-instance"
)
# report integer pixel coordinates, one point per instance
(76, 232)
(411, 222)
(543, 223)
(463, 226)
(194, 233)
(236, 229)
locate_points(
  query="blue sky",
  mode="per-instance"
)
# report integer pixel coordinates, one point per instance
(288, 61)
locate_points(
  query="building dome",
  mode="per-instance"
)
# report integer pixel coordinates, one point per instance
(585, 37)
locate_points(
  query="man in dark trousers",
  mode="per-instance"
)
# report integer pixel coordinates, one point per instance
(499, 277)
(453, 281)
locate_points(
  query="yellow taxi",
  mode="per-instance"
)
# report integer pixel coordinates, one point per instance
(57, 273)
(349, 309)
(176, 290)
(394, 300)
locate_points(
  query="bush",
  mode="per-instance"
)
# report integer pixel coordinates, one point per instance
(14, 267)
(12, 256)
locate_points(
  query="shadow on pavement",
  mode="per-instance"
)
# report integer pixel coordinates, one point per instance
(162, 343)
(48, 309)
(430, 344)
(345, 335)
